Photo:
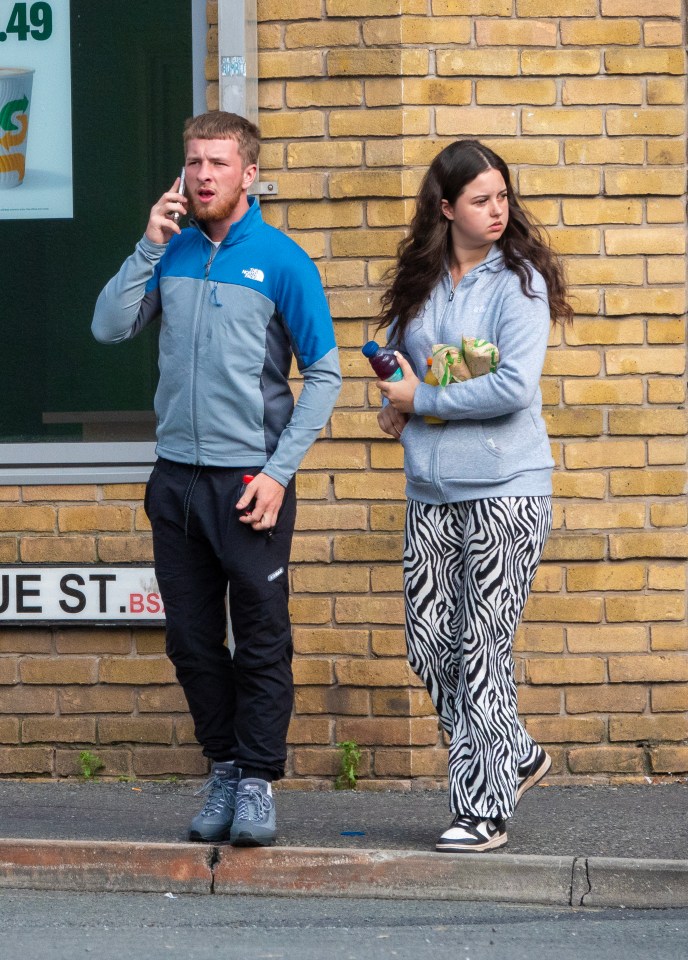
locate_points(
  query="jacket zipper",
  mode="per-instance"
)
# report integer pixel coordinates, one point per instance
(452, 292)
(194, 366)
(435, 474)
(434, 466)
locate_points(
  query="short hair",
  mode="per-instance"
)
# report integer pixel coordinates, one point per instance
(220, 125)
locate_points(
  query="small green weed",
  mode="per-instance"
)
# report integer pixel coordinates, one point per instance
(351, 757)
(89, 764)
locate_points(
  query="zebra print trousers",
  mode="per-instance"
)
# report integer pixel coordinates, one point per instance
(468, 569)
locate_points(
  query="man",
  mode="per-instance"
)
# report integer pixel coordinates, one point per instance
(236, 299)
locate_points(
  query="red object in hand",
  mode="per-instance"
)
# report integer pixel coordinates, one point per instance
(246, 479)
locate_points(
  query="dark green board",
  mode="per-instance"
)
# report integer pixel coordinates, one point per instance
(131, 92)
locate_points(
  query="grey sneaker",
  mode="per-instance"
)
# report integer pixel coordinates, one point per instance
(255, 822)
(215, 819)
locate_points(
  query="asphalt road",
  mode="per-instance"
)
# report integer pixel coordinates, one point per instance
(63, 926)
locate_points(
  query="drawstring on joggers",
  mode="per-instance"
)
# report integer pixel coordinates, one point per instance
(188, 495)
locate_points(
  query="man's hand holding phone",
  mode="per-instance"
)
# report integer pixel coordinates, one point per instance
(165, 214)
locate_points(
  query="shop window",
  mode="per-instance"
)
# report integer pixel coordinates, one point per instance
(67, 399)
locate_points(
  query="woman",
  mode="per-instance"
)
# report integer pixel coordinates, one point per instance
(479, 484)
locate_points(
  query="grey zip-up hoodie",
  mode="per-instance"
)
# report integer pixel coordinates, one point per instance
(494, 443)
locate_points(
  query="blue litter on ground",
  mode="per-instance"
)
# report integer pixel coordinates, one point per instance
(352, 833)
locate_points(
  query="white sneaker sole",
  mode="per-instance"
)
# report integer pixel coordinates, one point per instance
(535, 777)
(459, 847)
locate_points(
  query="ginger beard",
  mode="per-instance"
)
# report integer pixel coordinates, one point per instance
(219, 208)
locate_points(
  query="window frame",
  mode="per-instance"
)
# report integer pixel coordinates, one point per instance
(82, 461)
(78, 461)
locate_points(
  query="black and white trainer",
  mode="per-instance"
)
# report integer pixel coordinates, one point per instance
(531, 770)
(468, 834)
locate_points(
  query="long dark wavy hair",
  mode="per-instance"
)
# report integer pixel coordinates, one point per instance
(423, 254)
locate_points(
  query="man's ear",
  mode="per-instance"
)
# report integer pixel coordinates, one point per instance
(249, 175)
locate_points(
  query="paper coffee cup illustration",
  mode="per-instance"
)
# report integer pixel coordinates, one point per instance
(15, 100)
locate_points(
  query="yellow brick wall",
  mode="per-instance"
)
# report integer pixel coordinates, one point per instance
(586, 101)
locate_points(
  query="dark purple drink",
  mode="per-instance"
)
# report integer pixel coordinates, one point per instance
(383, 361)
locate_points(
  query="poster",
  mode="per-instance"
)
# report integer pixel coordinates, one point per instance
(35, 111)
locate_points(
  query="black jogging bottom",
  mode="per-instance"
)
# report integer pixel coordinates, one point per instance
(240, 701)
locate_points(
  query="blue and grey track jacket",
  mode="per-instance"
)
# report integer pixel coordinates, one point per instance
(231, 318)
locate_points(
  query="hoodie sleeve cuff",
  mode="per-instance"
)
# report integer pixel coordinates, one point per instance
(152, 251)
(425, 400)
(278, 475)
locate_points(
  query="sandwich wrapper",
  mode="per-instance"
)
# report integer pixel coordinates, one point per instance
(473, 359)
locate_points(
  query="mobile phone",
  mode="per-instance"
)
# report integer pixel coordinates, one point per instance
(182, 183)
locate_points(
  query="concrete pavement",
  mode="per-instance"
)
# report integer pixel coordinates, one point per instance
(578, 846)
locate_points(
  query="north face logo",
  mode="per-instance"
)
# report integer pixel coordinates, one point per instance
(254, 274)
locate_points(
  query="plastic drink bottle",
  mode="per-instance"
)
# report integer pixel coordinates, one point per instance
(432, 380)
(383, 361)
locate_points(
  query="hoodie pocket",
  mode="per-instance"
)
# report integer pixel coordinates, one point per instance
(516, 438)
(465, 454)
(456, 451)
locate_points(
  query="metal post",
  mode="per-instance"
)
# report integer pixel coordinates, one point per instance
(238, 53)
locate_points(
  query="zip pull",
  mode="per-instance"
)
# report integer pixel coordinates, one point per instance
(214, 297)
(452, 288)
(210, 261)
